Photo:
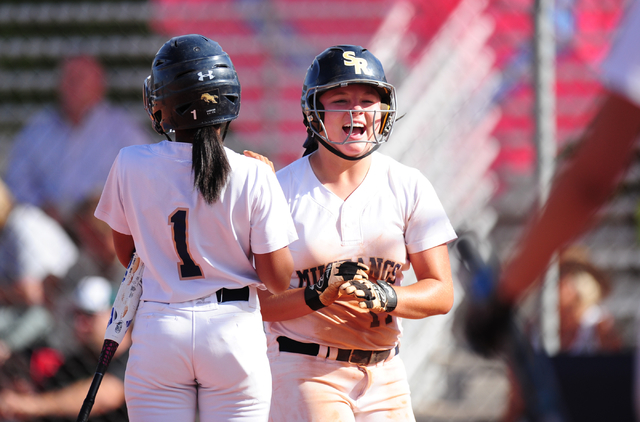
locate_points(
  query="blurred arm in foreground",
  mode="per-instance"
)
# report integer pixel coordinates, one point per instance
(581, 187)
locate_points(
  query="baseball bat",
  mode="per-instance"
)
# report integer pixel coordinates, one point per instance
(122, 314)
(533, 370)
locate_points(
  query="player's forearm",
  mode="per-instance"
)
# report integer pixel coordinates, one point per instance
(580, 189)
(538, 246)
(124, 246)
(432, 294)
(284, 306)
(274, 269)
(567, 213)
(423, 299)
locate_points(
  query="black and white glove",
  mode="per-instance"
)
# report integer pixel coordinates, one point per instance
(486, 326)
(327, 289)
(377, 295)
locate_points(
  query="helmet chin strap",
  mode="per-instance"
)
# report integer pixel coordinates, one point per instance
(346, 157)
(224, 130)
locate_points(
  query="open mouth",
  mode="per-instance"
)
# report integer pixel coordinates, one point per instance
(358, 129)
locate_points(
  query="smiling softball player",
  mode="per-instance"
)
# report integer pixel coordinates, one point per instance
(362, 220)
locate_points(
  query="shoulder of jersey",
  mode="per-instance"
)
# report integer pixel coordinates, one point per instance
(295, 165)
(139, 148)
(136, 153)
(292, 168)
(394, 165)
(241, 162)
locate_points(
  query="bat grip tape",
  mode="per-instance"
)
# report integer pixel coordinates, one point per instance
(108, 350)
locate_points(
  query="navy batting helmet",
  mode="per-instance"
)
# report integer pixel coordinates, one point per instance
(343, 65)
(192, 84)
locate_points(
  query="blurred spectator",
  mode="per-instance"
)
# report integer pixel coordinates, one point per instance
(97, 254)
(35, 253)
(586, 326)
(63, 155)
(60, 384)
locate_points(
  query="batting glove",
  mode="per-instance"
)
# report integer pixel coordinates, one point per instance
(376, 295)
(327, 289)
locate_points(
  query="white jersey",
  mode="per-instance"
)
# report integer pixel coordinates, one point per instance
(621, 69)
(395, 211)
(190, 248)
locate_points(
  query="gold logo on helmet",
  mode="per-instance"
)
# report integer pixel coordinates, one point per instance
(360, 65)
(209, 98)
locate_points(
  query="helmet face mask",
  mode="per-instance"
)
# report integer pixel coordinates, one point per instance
(193, 84)
(148, 106)
(341, 66)
(316, 113)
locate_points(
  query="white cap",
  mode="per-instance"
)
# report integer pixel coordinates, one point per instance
(93, 294)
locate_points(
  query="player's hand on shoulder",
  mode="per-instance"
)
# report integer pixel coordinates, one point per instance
(259, 157)
(375, 295)
(328, 288)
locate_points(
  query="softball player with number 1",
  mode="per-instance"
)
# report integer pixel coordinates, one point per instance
(334, 334)
(198, 215)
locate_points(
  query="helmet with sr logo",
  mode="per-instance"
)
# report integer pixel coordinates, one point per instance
(193, 84)
(340, 66)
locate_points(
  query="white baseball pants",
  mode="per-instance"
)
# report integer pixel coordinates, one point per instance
(314, 389)
(198, 356)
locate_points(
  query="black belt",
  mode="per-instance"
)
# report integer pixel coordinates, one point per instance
(359, 357)
(233, 295)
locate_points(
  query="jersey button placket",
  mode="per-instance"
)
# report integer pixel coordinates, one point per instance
(350, 225)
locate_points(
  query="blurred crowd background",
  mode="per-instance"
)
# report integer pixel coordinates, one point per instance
(71, 76)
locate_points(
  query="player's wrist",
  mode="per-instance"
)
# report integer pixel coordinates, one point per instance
(391, 301)
(312, 298)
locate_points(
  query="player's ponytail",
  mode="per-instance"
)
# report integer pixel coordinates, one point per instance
(209, 162)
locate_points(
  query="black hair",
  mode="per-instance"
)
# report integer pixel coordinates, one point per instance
(311, 143)
(210, 165)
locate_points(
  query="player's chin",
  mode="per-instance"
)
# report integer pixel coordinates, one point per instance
(356, 149)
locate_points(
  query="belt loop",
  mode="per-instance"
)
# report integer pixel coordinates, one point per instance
(333, 353)
(323, 352)
(393, 352)
(369, 358)
(253, 297)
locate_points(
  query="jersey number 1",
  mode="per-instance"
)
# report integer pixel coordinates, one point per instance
(187, 267)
